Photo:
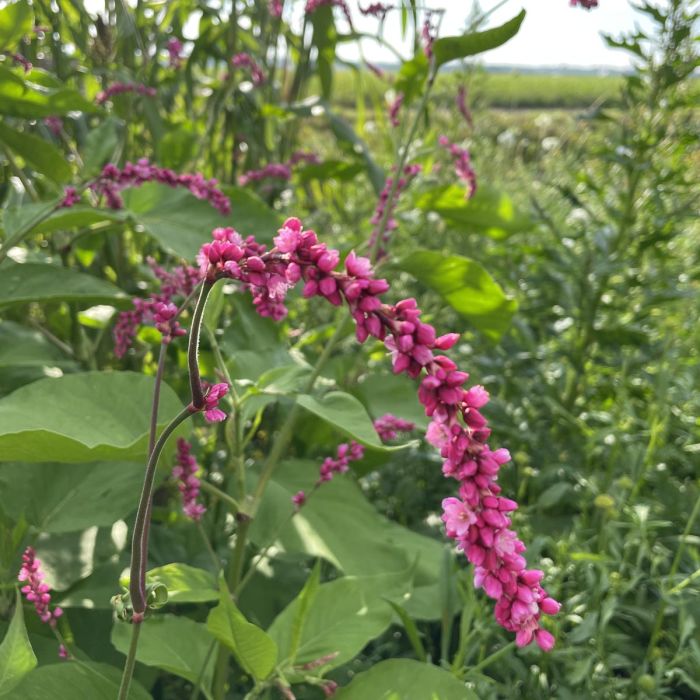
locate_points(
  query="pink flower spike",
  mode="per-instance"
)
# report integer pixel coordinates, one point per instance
(211, 400)
(299, 499)
(184, 472)
(35, 590)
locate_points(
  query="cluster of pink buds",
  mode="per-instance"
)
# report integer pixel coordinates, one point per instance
(463, 164)
(389, 426)
(20, 60)
(586, 4)
(384, 203)
(375, 9)
(35, 590)
(313, 5)
(114, 179)
(213, 393)
(480, 518)
(70, 197)
(428, 35)
(158, 309)
(278, 171)
(346, 453)
(461, 102)
(54, 125)
(174, 47)
(275, 8)
(185, 473)
(120, 88)
(394, 109)
(245, 60)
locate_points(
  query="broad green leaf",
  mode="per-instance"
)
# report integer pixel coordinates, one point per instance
(489, 211)
(405, 679)
(16, 20)
(100, 145)
(16, 654)
(250, 215)
(23, 347)
(344, 412)
(20, 97)
(17, 221)
(253, 648)
(411, 631)
(82, 418)
(451, 48)
(466, 287)
(172, 643)
(59, 498)
(22, 283)
(179, 221)
(43, 156)
(410, 80)
(79, 216)
(340, 620)
(185, 583)
(303, 601)
(70, 680)
(378, 547)
(392, 393)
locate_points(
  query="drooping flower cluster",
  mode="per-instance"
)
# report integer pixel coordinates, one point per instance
(275, 8)
(346, 453)
(313, 5)
(463, 164)
(428, 35)
(35, 590)
(375, 9)
(113, 180)
(394, 109)
(121, 88)
(480, 518)
(461, 102)
(389, 426)
(158, 309)
(586, 4)
(54, 125)
(278, 171)
(384, 203)
(21, 60)
(245, 60)
(174, 47)
(185, 474)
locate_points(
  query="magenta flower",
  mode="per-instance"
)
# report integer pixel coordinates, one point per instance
(174, 47)
(375, 9)
(213, 394)
(313, 5)
(462, 163)
(275, 8)
(35, 590)
(479, 520)
(298, 499)
(586, 4)
(428, 35)
(394, 109)
(21, 60)
(409, 172)
(121, 88)
(54, 125)
(461, 102)
(184, 472)
(245, 60)
(389, 426)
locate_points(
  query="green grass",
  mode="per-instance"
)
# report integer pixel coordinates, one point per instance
(501, 90)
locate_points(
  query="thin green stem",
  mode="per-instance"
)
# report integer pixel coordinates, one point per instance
(130, 663)
(139, 548)
(18, 235)
(672, 572)
(26, 182)
(200, 676)
(193, 348)
(207, 545)
(490, 659)
(221, 495)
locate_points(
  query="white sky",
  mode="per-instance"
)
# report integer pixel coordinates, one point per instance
(553, 33)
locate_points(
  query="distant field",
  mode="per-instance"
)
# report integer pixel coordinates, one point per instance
(502, 90)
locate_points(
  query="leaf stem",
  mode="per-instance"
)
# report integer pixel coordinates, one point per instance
(130, 663)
